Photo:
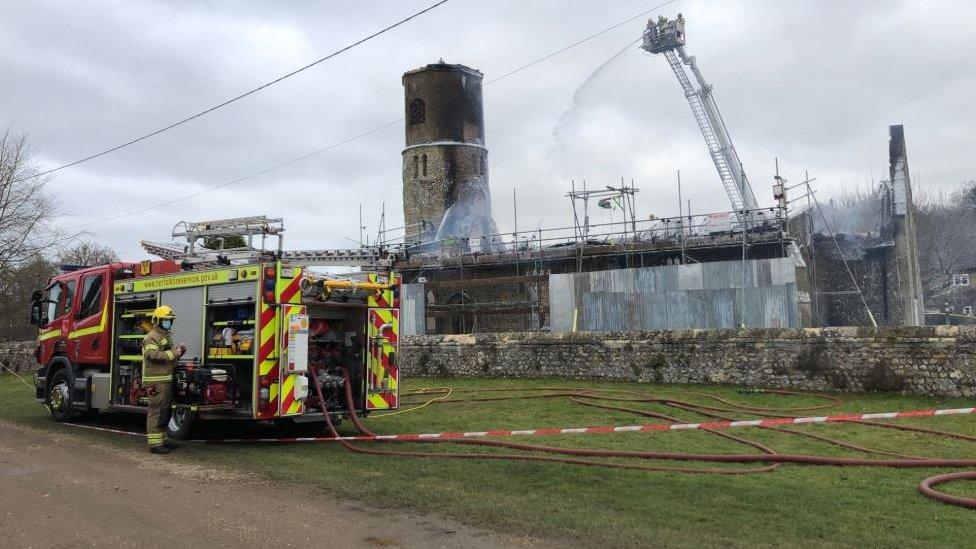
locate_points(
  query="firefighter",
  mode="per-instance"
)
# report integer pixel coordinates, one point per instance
(159, 357)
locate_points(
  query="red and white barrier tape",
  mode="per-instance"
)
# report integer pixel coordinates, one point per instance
(644, 428)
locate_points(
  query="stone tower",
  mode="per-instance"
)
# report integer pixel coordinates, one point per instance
(445, 161)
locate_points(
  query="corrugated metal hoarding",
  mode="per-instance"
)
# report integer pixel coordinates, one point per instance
(413, 306)
(726, 294)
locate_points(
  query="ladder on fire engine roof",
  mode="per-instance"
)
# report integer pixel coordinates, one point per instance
(668, 37)
(197, 255)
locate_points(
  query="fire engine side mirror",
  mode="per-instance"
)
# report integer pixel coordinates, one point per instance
(35, 314)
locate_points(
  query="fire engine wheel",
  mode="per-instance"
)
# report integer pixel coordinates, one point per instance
(59, 397)
(180, 423)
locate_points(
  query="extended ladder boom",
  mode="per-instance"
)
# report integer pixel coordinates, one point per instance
(668, 37)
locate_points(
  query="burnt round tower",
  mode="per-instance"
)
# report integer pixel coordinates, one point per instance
(445, 161)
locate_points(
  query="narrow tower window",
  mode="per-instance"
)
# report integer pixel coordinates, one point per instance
(416, 166)
(417, 113)
(425, 165)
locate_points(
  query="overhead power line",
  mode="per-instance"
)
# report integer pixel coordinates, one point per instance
(286, 163)
(577, 43)
(243, 95)
(367, 132)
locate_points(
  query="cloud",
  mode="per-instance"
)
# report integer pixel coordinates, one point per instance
(813, 83)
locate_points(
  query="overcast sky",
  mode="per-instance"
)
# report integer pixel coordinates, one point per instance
(814, 83)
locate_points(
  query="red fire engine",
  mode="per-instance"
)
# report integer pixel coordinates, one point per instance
(256, 324)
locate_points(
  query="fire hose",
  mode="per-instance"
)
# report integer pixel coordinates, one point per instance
(517, 457)
(770, 457)
(926, 488)
(780, 429)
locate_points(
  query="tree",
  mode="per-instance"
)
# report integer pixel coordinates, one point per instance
(87, 252)
(945, 233)
(26, 213)
(968, 194)
(26, 210)
(16, 285)
(229, 241)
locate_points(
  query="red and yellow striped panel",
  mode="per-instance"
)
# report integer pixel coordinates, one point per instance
(268, 356)
(287, 290)
(381, 298)
(381, 370)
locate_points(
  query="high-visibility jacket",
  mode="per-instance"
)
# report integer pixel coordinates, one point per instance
(158, 356)
(158, 362)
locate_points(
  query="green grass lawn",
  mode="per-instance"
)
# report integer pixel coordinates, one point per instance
(792, 506)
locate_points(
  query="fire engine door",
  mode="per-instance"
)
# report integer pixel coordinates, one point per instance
(382, 331)
(294, 359)
(90, 342)
(53, 311)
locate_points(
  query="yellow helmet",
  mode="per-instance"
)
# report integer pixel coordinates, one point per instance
(161, 312)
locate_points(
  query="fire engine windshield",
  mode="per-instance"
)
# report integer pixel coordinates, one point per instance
(53, 297)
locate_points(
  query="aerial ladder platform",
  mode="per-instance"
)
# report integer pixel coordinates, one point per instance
(667, 37)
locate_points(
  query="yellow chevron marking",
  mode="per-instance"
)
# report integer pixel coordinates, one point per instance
(296, 407)
(270, 332)
(376, 402)
(371, 299)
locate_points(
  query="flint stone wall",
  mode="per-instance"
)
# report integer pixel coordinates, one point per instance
(923, 361)
(18, 356)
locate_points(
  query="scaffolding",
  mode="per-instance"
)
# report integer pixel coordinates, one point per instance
(452, 269)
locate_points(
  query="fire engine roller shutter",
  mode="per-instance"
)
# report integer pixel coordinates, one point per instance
(187, 303)
(233, 292)
(129, 298)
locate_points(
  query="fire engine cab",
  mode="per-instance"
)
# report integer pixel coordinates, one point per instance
(259, 326)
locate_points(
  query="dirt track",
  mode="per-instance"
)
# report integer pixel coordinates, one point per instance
(61, 491)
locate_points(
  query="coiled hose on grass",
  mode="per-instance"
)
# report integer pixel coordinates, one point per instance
(517, 457)
(926, 488)
(770, 457)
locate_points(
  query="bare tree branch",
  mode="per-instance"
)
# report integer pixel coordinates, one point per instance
(26, 234)
(87, 252)
(26, 211)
